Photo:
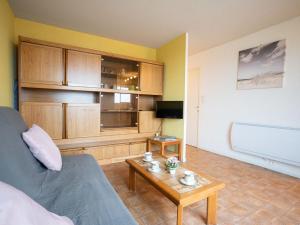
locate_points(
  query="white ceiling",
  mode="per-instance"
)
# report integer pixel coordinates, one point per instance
(154, 22)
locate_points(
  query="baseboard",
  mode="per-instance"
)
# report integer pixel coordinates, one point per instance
(257, 161)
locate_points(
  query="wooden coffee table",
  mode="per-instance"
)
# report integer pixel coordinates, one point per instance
(181, 195)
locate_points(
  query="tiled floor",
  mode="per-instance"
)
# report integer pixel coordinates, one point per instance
(252, 195)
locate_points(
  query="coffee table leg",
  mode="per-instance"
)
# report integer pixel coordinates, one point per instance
(179, 214)
(179, 151)
(131, 178)
(212, 209)
(149, 146)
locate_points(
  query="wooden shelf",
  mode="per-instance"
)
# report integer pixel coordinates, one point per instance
(102, 140)
(77, 88)
(58, 87)
(118, 111)
(107, 90)
(118, 130)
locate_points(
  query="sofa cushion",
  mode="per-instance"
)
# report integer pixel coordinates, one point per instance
(43, 148)
(17, 208)
(18, 167)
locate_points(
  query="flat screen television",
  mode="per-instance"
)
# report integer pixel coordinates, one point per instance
(169, 109)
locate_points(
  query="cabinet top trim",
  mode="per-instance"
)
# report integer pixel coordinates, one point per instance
(70, 47)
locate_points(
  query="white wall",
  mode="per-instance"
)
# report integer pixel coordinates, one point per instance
(221, 103)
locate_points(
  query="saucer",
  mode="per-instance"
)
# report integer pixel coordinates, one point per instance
(154, 171)
(145, 160)
(182, 180)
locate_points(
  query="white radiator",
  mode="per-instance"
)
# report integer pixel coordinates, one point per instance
(277, 143)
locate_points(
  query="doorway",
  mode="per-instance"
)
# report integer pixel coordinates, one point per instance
(193, 106)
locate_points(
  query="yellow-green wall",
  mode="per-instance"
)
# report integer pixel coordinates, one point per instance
(173, 54)
(45, 32)
(7, 62)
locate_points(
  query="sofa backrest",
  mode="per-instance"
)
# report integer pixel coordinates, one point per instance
(18, 167)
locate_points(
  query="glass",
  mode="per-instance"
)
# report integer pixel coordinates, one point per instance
(119, 74)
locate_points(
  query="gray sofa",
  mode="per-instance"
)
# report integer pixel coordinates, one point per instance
(79, 191)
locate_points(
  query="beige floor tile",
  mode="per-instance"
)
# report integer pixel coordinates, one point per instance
(252, 196)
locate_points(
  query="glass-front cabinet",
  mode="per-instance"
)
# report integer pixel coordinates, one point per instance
(118, 110)
(119, 74)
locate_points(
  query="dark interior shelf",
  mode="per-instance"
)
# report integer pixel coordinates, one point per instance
(118, 111)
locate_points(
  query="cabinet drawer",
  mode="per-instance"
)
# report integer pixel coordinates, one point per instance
(96, 152)
(108, 152)
(68, 152)
(137, 148)
(121, 150)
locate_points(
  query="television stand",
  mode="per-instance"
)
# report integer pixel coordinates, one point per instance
(163, 144)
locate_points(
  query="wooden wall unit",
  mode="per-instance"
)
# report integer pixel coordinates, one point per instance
(60, 89)
(41, 64)
(49, 116)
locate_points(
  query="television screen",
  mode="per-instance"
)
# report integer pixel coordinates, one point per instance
(169, 109)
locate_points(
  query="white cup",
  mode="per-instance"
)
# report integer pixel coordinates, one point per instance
(155, 165)
(148, 156)
(189, 176)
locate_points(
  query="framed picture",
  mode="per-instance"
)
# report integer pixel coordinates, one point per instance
(261, 66)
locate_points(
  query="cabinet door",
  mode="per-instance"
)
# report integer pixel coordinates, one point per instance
(49, 116)
(148, 122)
(83, 120)
(151, 78)
(137, 148)
(41, 64)
(83, 69)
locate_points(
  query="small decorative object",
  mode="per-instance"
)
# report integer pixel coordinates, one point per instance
(154, 167)
(148, 157)
(188, 179)
(261, 66)
(172, 164)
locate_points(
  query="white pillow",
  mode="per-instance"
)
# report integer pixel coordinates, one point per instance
(17, 208)
(43, 148)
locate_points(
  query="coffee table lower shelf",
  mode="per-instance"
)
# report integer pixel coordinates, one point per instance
(181, 200)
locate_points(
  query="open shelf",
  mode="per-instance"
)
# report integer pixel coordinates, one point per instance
(118, 111)
(118, 130)
(57, 87)
(27, 85)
